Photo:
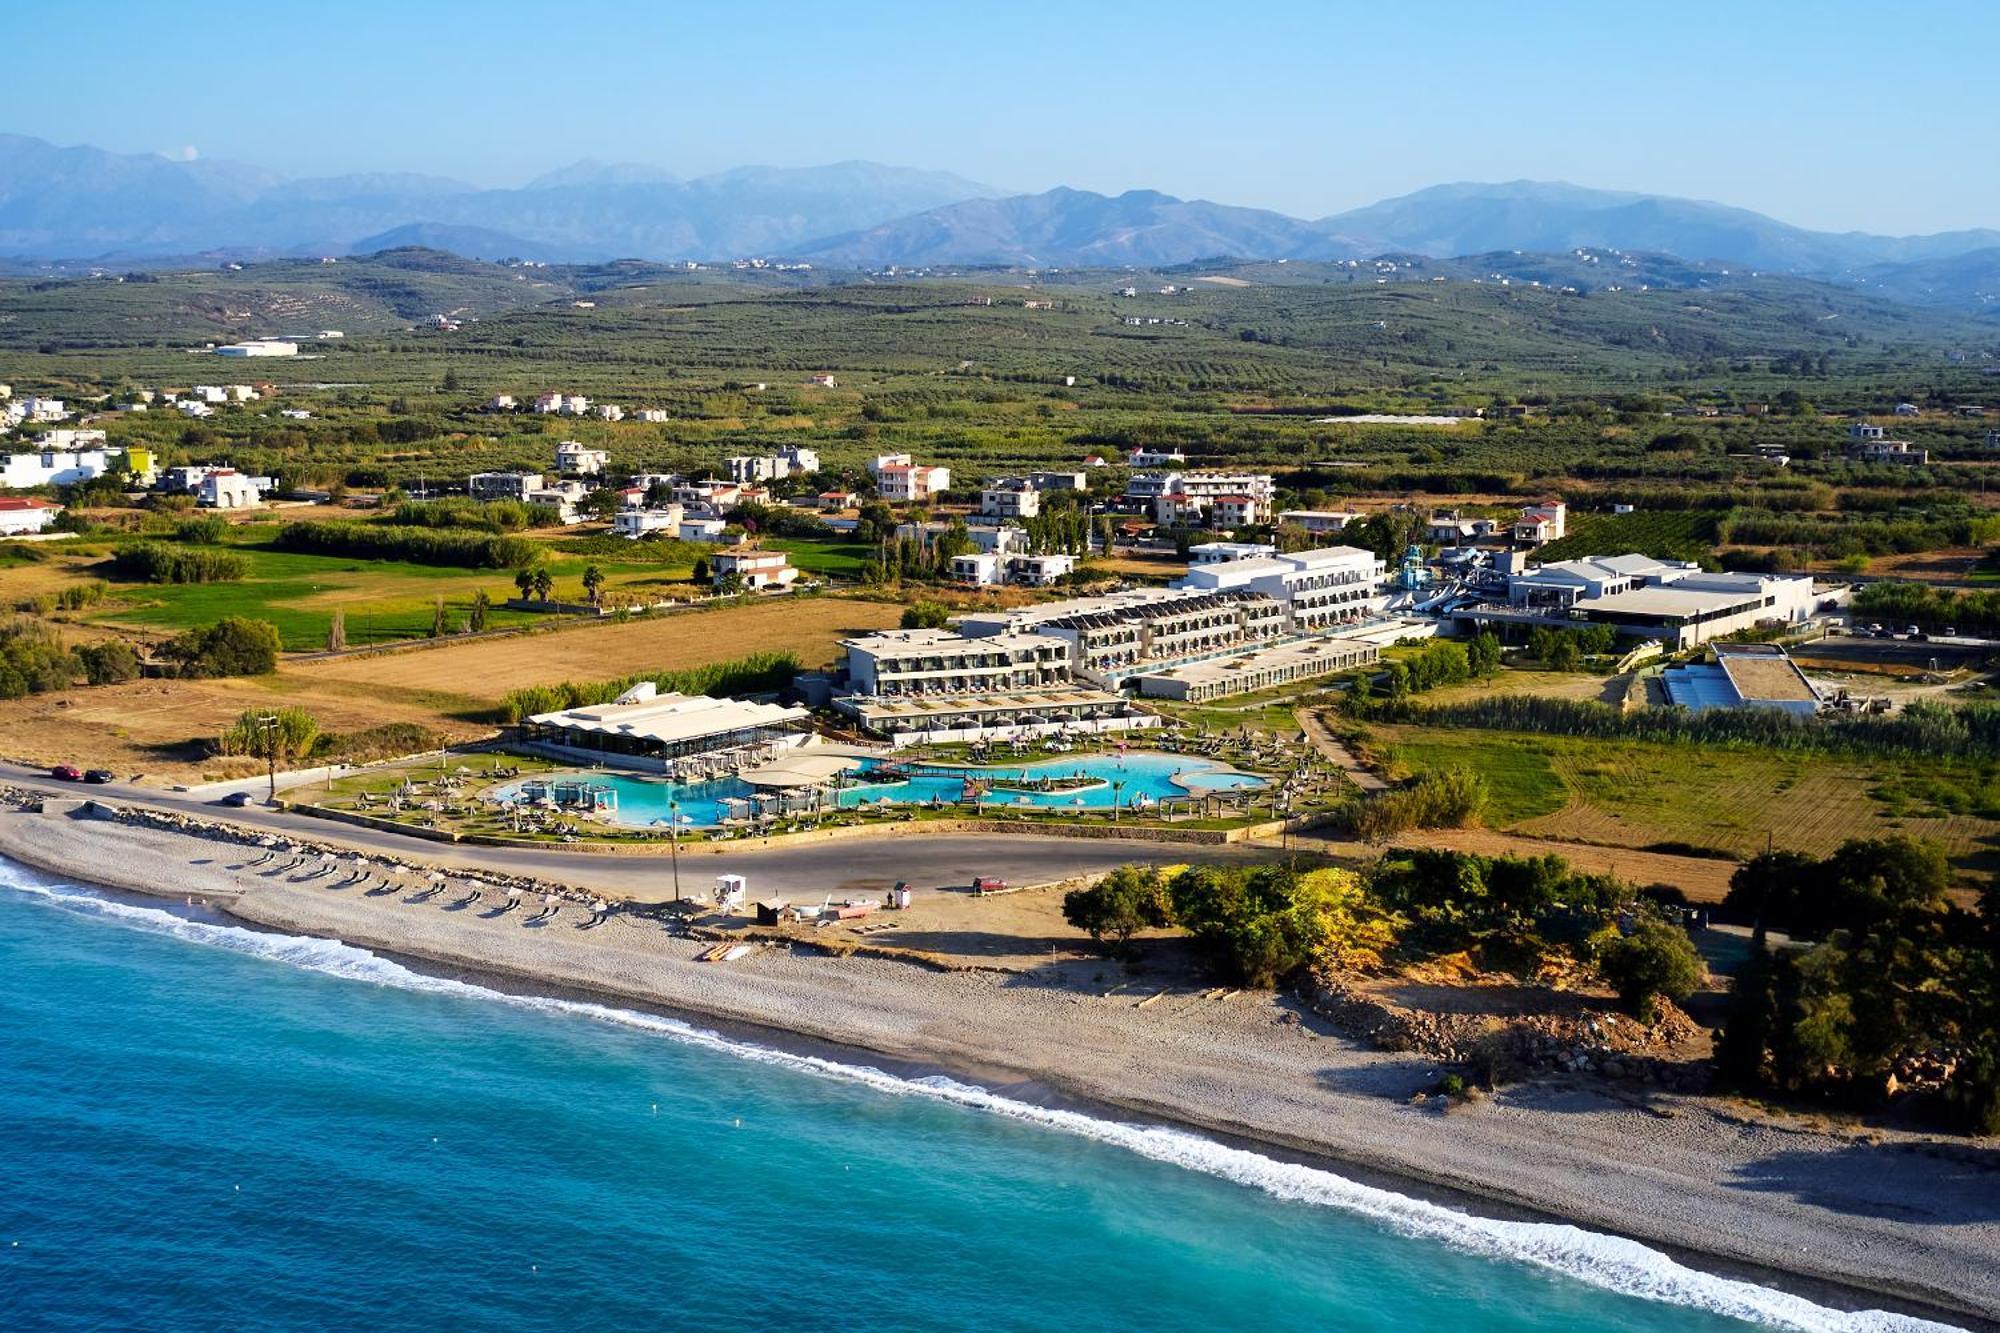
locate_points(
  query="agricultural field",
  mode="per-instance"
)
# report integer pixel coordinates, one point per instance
(1732, 802)
(807, 626)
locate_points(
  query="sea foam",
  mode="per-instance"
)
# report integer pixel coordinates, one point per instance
(1613, 1263)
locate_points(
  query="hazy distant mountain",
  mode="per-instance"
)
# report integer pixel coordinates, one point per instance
(1472, 218)
(469, 242)
(84, 202)
(1073, 229)
(590, 171)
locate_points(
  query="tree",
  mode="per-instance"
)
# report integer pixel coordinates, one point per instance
(730, 584)
(926, 615)
(524, 582)
(1655, 960)
(1769, 889)
(1124, 902)
(593, 583)
(233, 646)
(439, 621)
(700, 572)
(336, 632)
(475, 620)
(544, 584)
(109, 662)
(450, 384)
(1482, 654)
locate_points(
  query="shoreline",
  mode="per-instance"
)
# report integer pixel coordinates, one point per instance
(1291, 1090)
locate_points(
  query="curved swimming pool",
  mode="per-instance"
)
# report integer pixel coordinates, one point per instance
(1090, 783)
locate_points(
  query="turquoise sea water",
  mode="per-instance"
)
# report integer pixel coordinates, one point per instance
(1129, 780)
(209, 1127)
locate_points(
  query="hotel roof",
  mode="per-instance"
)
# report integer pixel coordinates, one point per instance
(671, 718)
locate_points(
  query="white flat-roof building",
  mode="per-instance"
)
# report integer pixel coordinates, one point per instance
(259, 347)
(1678, 603)
(909, 483)
(980, 569)
(1318, 522)
(1319, 589)
(1010, 499)
(504, 485)
(1214, 553)
(226, 488)
(575, 459)
(633, 524)
(56, 466)
(644, 728)
(932, 684)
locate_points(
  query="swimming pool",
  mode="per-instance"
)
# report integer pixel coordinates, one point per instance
(1090, 783)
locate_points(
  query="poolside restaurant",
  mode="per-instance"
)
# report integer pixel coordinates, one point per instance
(645, 729)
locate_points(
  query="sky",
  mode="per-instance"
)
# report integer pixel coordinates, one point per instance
(1831, 114)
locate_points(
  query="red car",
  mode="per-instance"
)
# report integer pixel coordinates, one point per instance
(66, 773)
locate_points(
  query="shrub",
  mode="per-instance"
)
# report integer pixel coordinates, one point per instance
(424, 546)
(1451, 798)
(233, 646)
(33, 660)
(155, 562)
(926, 615)
(1655, 960)
(457, 511)
(294, 730)
(1124, 902)
(109, 662)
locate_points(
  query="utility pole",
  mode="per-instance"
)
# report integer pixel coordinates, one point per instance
(269, 725)
(674, 842)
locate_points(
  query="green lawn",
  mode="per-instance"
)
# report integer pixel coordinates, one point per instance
(383, 600)
(839, 559)
(1521, 783)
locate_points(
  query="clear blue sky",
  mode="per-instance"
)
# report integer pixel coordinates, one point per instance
(1833, 114)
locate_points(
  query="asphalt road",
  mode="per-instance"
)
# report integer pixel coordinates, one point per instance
(927, 861)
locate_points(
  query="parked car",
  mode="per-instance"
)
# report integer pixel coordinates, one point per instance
(988, 884)
(99, 775)
(1912, 632)
(66, 773)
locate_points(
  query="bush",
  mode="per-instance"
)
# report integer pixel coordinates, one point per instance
(109, 662)
(926, 615)
(424, 546)
(1655, 960)
(456, 511)
(233, 646)
(155, 562)
(1260, 924)
(1124, 902)
(33, 660)
(1451, 798)
(294, 730)
(207, 531)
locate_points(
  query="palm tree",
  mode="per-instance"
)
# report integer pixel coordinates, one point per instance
(593, 581)
(544, 584)
(524, 579)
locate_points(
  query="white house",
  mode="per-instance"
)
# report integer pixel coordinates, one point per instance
(259, 347)
(1010, 498)
(1040, 571)
(574, 459)
(610, 412)
(55, 466)
(651, 414)
(1212, 553)
(880, 461)
(978, 570)
(1144, 457)
(500, 402)
(24, 514)
(908, 483)
(503, 485)
(758, 568)
(226, 488)
(1541, 524)
(701, 529)
(636, 523)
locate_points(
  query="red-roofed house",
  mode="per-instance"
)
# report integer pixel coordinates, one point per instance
(26, 513)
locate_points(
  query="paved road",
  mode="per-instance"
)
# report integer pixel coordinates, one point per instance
(925, 860)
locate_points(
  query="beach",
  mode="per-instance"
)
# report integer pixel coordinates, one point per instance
(1911, 1217)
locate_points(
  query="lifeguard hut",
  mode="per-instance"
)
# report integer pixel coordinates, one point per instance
(731, 892)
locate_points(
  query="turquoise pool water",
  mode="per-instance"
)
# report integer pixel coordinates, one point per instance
(1131, 780)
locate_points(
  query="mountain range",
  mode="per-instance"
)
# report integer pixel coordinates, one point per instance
(82, 203)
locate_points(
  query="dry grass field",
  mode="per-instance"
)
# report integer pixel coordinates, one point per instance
(808, 627)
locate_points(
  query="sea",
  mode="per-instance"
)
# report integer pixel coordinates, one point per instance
(204, 1126)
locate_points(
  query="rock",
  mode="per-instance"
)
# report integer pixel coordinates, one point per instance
(1612, 1069)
